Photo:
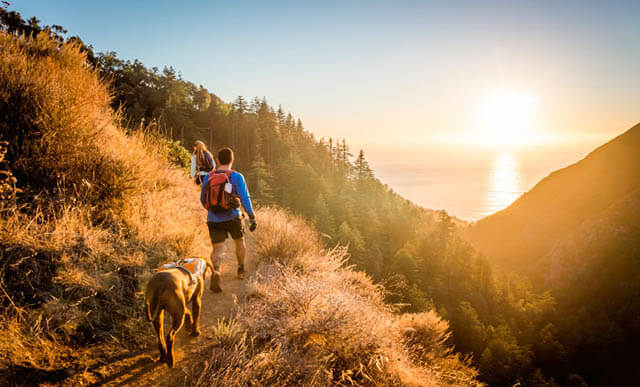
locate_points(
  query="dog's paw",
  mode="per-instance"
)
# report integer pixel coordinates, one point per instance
(194, 333)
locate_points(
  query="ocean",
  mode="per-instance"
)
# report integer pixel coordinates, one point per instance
(468, 184)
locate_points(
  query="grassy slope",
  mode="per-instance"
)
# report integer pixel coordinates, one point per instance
(100, 209)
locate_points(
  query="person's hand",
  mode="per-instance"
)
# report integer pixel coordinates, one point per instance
(252, 224)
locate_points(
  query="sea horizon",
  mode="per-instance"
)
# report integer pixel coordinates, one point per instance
(470, 183)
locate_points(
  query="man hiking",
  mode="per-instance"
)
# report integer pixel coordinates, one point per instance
(223, 190)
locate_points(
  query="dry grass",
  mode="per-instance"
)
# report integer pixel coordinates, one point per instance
(98, 209)
(311, 321)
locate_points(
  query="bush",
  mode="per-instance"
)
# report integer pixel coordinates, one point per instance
(312, 321)
(87, 210)
(100, 208)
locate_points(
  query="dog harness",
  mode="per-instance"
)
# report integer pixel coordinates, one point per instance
(194, 267)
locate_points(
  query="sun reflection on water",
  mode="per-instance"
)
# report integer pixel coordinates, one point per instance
(504, 184)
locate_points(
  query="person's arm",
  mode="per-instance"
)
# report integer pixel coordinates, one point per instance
(243, 193)
(193, 165)
(202, 190)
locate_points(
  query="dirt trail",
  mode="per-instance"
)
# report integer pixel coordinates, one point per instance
(138, 368)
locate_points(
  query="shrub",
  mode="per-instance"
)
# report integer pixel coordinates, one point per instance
(312, 321)
(98, 208)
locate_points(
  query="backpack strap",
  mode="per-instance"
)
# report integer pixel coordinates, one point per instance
(188, 272)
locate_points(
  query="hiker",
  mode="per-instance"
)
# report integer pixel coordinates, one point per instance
(223, 190)
(201, 162)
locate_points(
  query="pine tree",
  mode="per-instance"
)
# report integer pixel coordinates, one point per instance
(351, 237)
(240, 105)
(363, 171)
(322, 217)
(259, 179)
(280, 117)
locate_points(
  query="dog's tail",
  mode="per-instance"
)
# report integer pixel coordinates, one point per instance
(147, 310)
(152, 308)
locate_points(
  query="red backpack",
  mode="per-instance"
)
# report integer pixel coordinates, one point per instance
(216, 198)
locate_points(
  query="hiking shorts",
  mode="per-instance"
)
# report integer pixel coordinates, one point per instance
(218, 231)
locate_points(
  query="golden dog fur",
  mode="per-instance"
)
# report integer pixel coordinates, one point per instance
(171, 290)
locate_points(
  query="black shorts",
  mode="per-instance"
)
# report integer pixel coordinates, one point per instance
(218, 231)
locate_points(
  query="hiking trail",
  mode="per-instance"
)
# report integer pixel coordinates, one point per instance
(126, 367)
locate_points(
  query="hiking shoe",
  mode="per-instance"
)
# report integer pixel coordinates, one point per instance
(240, 272)
(216, 278)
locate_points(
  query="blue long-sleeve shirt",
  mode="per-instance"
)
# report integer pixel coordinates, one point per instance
(239, 189)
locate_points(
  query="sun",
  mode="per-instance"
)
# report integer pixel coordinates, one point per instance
(506, 118)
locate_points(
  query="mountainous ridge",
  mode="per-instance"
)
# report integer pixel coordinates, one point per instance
(576, 234)
(575, 250)
(560, 202)
(514, 334)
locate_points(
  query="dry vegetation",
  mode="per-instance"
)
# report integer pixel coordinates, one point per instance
(312, 321)
(94, 209)
(98, 208)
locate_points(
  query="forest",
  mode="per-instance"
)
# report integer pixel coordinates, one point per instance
(510, 330)
(417, 254)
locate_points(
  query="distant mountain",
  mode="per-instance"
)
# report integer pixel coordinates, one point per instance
(577, 233)
(594, 273)
(520, 235)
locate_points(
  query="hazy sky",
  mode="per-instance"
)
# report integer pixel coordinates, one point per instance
(380, 72)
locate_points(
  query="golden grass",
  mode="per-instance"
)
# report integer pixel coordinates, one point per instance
(312, 321)
(100, 209)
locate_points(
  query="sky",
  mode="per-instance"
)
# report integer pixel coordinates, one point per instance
(375, 71)
(416, 84)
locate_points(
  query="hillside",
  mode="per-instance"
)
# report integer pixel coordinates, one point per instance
(576, 234)
(89, 209)
(84, 201)
(559, 204)
(595, 274)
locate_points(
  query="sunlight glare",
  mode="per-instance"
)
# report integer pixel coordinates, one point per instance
(504, 183)
(506, 118)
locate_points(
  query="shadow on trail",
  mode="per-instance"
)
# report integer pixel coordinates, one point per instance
(138, 368)
(143, 365)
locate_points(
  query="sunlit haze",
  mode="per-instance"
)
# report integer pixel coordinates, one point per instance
(507, 118)
(417, 85)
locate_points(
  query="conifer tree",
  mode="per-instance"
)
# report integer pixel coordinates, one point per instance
(363, 171)
(259, 179)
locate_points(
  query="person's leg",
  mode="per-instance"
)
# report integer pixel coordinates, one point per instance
(237, 234)
(216, 259)
(217, 236)
(241, 254)
(217, 253)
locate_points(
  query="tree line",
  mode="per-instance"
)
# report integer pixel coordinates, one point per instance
(417, 254)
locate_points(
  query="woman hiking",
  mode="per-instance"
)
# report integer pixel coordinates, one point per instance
(201, 161)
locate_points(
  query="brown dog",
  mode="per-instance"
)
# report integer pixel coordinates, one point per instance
(171, 289)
